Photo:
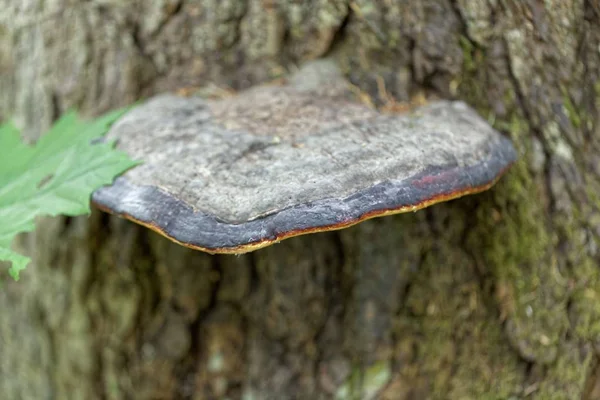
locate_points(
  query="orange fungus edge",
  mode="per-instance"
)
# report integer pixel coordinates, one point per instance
(246, 248)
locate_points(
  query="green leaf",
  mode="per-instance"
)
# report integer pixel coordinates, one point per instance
(56, 176)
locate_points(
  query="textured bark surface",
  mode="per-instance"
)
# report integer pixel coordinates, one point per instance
(493, 296)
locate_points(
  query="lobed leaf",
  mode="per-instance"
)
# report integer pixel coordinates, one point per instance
(55, 176)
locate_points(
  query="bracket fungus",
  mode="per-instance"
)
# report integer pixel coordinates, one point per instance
(236, 174)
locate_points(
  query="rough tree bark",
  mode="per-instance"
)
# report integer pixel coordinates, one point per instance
(492, 296)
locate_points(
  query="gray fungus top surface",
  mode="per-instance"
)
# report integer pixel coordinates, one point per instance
(275, 148)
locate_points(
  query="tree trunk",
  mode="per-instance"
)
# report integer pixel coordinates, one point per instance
(490, 296)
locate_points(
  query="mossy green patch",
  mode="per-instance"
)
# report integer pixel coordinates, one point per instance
(572, 112)
(565, 378)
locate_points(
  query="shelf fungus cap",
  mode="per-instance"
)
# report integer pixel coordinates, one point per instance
(236, 174)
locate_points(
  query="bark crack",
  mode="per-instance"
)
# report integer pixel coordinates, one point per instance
(186, 385)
